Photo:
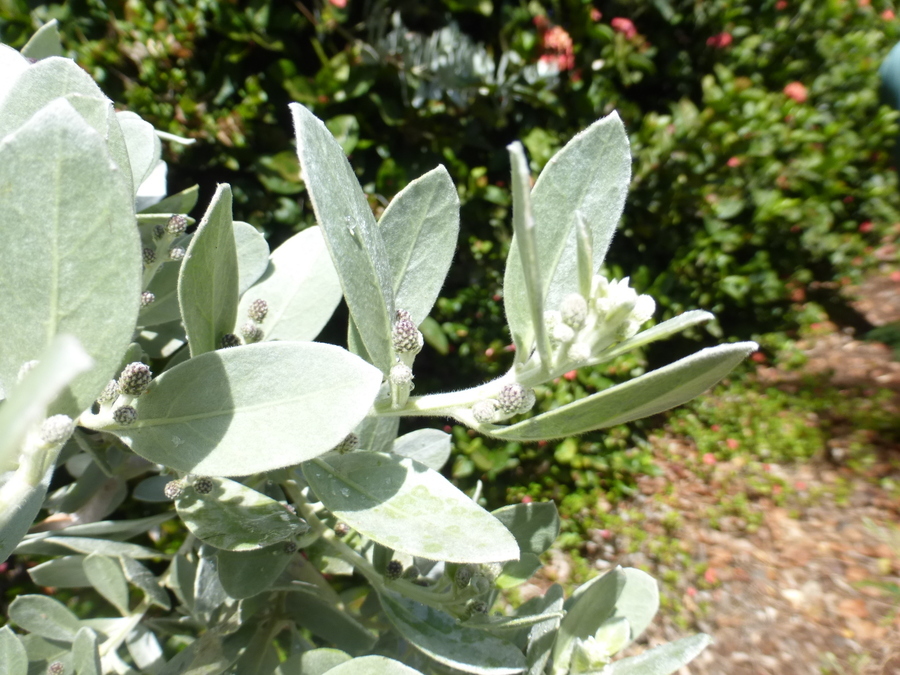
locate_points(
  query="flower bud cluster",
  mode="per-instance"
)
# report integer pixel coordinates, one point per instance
(405, 336)
(251, 330)
(584, 327)
(407, 341)
(117, 396)
(513, 399)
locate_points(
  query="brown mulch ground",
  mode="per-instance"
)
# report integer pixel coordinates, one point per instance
(790, 594)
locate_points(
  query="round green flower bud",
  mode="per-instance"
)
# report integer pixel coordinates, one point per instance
(57, 429)
(173, 489)
(579, 352)
(257, 310)
(290, 547)
(394, 570)
(56, 668)
(511, 398)
(401, 374)
(573, 310)
(464, 575)
(251, 332)
(485, 411)
(176, 253)
(125, 415)
(147, 298)
(149, 255)
(158, 231)
(229, 340)
(341, 529)
(203, 485)
(478, 607)
(109, 393)
(562, 333)
(25, 369)
(349, 444)
(177, 224)
(135, 379)
(406, 337)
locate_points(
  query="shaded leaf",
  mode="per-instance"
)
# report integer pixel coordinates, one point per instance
(15, 660)
(328, 622)
(105, 575)
(372, 665)
(248, 573)
(252, 254)
(44, 616)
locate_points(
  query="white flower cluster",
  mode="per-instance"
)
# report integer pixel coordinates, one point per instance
(584, 327)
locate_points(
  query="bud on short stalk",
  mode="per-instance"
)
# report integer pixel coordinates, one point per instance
(258, 310)
(56, 430)
(135, 379)
(229, 340)
(251, 332)
(147, 298)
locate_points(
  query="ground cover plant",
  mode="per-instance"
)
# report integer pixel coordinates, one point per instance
(176, 366)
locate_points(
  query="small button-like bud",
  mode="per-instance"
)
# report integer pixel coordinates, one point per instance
(341, 529)
(394, 570)
(25, 369)
(56, 668)
(203, 485)
(643, 310)
(485, 411)
(479, 607)
(173, 489)
(57, 429)
(573, 310)
(491, 570)
(177, 224)
(110, 392)
(401, 374)
(290, 547)
(147, 298)
(411, 573)
(158, 231)
(125, 415)
(251, 332)
(464, 575)
(257, 310)
(149, 255)
(406, 336)
(349, 444)
(562, 333)
(579, 352)
(135, 379)
(229, 340)
(511, 398)
(176, 253)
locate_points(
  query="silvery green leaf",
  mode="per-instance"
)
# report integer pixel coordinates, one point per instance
(430, 447)
(372, 665)
(524, 246)
(408, 507)
(15, 660)
(85, 654)
(164, 340)
(202, 415)
(180, 579)
(247, 573)
(21, 497)
(142, 143)
(328, 622)
(45, 42)
(236, 518)
(517, 572)
(208, 280)
(205, 656)
(145, 650)
(662, 660)
(164, 286)
(353, 239)
(542, 636)
(45, 617)
(589, 178)
(535, 525)
(64, 572)
(142, 578)
(27, 402)
(317, 661)
(72, 250)
(153, 189)
(208, 591)
(660, 331)
(439, 636)
(252, 254)
(60, 545)
(420, 228)
(182, 202)
(114, 529)
(105, 575)
(627, 593)
(300, 286)
(643, 396)
(152, 489)
(377, 433)
(12, 65)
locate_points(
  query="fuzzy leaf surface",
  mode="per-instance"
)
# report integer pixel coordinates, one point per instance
(44, 616)
(589, 178)
(45, 42)
(355, 243)
(430, 447)
(373, 665)
(143, 145)
(72, 251)
(535, 526)
(105, 574)
(420, 228)
(247, 573)
(203, 415)
(15, 659)
(408, 507)
(300, 286)
(663, 660)
(643, 396)
(439, 636)
(208, 280)
(252, 254)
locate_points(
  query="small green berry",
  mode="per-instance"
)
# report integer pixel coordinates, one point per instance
(251, 332)
(177, 224)
(125, 415)
(176, 253)
(257, 310)
(173, 489)
(203, 485)
(149, 256)
(229, 340)
(135, 379)
(405, 336)
(394, 570)
(57, 429)
(147, 298)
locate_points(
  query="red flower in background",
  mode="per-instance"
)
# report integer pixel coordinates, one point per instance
(340, 4)
(625, 26)
(796, 91)
(596, 15)
(557, 48)
(720, 41)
